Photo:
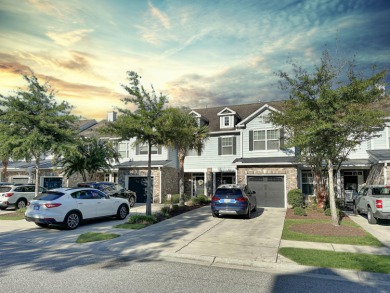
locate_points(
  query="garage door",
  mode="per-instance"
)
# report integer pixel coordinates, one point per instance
(269, 190)
(139, 186)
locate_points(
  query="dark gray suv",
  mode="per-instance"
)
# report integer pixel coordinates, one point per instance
(112, 189)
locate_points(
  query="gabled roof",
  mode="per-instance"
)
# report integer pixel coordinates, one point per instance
(82, 125)
(242, 111)
(93, 130)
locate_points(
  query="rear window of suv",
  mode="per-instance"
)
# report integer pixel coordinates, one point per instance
(228, 192)
(50, 195)
(5, 188)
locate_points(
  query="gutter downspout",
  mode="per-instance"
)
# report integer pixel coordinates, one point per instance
(385, 173)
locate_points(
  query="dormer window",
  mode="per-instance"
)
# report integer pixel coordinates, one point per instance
(227, 118)
(226, 121)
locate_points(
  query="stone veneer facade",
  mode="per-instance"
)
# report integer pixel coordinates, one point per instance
(166, 184)
(290, 172)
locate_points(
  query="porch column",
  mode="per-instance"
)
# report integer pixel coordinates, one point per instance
(209, 182)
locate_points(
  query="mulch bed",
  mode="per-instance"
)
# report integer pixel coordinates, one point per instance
(323, 229)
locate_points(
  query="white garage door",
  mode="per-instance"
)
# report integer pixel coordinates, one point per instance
(269, 190)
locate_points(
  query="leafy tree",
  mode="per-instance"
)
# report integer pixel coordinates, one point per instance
(181, 131)
(142, 123)
(35, 124)
(90, 156)
(331, 112)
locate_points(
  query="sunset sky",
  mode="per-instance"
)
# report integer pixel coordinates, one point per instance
(199, 53)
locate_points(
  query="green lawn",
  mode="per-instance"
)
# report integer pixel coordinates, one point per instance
(341, 260)
(17, 215)
(288, 234)
(135, 226)
(93, 236)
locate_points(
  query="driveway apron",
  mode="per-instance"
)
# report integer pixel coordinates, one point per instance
(255, 239)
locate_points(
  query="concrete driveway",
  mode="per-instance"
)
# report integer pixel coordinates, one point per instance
(195, 235)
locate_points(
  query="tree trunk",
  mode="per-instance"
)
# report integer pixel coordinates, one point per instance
(149, 186)
(332, 198)
(181, 177)
(4, 170)
(37, 162)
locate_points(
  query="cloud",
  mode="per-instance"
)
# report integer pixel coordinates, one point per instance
(160, 16)
(68, 38)
(78, 61)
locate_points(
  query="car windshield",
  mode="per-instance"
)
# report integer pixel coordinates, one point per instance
(50, 195)
(5, 188)
(228, 192)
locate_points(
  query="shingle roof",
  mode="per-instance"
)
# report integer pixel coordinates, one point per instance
(243, 111)
(265, 161)
(380, 155)
(143, 163)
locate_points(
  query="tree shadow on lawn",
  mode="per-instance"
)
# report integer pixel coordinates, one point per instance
(56, 250)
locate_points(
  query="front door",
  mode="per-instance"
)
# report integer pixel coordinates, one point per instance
(198, 188)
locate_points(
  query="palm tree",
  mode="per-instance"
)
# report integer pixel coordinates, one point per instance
(90, 156)
(180, 130)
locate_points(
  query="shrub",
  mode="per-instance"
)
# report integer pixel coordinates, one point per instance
(295, 198)
(299, 211)
(142, 219)
(175, 199)
(328, 213)
(200, 199)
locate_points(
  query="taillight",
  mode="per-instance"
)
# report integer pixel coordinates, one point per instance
(378, 204)
(241, 199)
(9, 194)
(214, 198)
(52, 205)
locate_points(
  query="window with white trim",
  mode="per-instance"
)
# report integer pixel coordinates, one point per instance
(227, 145)
(262, 140)
(226, 121)
(264, 118)
(123, 149)
(143, 149)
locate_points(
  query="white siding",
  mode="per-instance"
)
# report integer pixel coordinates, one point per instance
(258, 124)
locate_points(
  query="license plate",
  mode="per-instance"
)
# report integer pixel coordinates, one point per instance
(226, 200)
(36, 207)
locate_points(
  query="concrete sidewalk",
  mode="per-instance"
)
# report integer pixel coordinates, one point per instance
(199, 238)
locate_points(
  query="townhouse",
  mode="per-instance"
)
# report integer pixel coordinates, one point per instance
(243, 147)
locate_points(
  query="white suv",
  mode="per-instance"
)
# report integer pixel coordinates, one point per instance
(17, 195)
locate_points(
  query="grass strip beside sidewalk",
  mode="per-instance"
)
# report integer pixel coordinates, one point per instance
(341, 260)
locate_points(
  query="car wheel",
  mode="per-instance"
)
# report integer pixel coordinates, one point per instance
(42, 225)
(255, 208)
(72, 220)
(248, 214)
(20, 204)
(370, 217)
(131, 201)
(215, 214)
(122, 212)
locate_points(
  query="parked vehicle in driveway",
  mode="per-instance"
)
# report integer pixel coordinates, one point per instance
(69, 206)
(112, 189)
(233, 199)
(17, 195)
(373, 200)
